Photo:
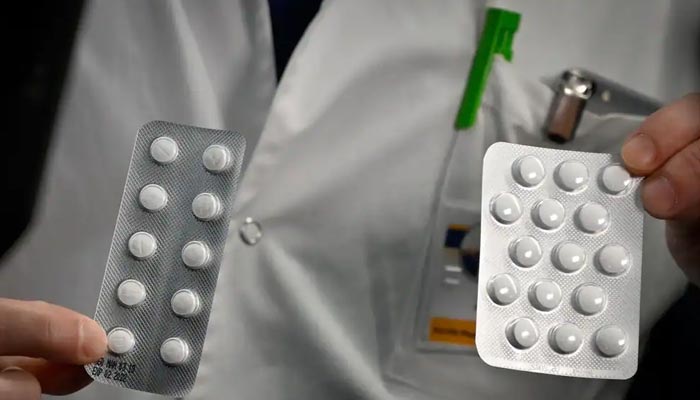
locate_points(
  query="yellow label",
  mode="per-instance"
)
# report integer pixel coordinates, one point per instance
(453, 331)
(459, 227)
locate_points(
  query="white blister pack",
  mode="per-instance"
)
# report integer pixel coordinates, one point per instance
(560, 264)
(163, 263)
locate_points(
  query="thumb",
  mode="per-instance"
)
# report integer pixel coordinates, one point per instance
(17, 384)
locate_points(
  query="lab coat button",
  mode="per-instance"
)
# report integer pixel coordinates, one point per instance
(250, 231)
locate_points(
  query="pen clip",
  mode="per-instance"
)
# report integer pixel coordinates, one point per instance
(496, 38)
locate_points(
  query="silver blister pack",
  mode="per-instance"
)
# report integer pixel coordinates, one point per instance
(560, 264)
(163, 263)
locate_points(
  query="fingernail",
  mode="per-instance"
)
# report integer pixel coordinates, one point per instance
(94, 340)
(10, 369)
(659, 196)
(640, 152)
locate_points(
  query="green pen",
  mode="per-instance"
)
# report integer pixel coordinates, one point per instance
(496, 38)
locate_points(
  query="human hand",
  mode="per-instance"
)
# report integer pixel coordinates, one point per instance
(666, 150)
(43, 347)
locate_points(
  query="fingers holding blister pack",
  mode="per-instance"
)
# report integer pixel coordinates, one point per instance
(559, 292)
(165, 255)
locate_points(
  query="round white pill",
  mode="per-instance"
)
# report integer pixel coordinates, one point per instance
(185, 303)
(611, 341)
(131, 293)
(195, 254)
(615, 179)
(217, 158)
(206, 206)
(589, 299)
(142, 245)
(613, 259)
(571, 176)
(566, 338)
(568, 257)
(174, 351)
(120, 341)
(525, 251)
(164, 150)
(528, 171)
(522, 333)
(503, 289)
(153, 197)
(506, 208)
(545, 295)
(548, 214)
(592, 218)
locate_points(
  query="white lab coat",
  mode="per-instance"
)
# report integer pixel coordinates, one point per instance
(350, 147)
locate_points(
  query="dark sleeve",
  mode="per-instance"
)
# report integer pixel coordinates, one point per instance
(669, 366)
(38, 38)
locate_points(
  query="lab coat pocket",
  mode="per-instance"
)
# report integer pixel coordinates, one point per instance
(446, 311)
